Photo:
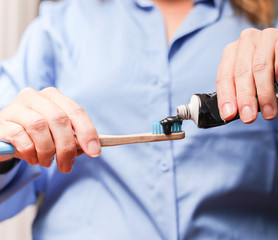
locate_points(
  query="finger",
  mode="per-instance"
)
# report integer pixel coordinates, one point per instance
(276, 62)
(18, 137)
(60, 128)
(263, 70)
(245, 85)
(37, 129)
(226, 93)
(83, 127)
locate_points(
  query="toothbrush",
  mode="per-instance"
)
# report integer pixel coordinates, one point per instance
(171, 128)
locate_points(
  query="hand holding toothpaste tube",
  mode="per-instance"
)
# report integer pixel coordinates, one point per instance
(246, 76)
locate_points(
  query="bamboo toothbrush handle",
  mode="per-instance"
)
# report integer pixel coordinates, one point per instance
(109, 140)
(114, 140)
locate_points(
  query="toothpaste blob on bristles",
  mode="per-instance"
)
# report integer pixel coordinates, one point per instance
(167, 126)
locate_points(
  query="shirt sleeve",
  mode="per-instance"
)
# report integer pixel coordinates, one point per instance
(32, 66)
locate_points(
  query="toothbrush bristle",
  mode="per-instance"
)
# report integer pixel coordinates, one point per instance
(176, 127)
(157, 128)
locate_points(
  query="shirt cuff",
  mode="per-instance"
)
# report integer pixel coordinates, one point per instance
(7, 177)
(6, 166)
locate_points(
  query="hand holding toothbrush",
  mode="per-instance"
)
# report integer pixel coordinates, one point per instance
(40, 124)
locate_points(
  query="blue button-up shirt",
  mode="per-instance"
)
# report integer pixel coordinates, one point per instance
(112, 58)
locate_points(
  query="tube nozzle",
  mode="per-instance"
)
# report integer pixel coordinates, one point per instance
(184, 112)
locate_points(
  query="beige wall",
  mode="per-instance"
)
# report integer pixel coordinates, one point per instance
(18, 227)
(14, 17)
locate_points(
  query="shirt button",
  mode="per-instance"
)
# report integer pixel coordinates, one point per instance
(164, 166)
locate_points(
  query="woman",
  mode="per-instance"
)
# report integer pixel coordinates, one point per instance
(114, 63)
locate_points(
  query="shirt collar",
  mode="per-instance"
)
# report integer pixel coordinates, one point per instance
(144, 3)
(199, 1)
(150, 4)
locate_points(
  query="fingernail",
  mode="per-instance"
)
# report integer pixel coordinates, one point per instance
(48, 163)
(67, 167)
(34, 161)
(94, 149)
(268, 112)
(247, 114)
(228, 110)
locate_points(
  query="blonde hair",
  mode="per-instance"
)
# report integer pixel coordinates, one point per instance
(259, 12)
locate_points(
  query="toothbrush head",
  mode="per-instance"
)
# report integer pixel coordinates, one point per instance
(167, 126)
